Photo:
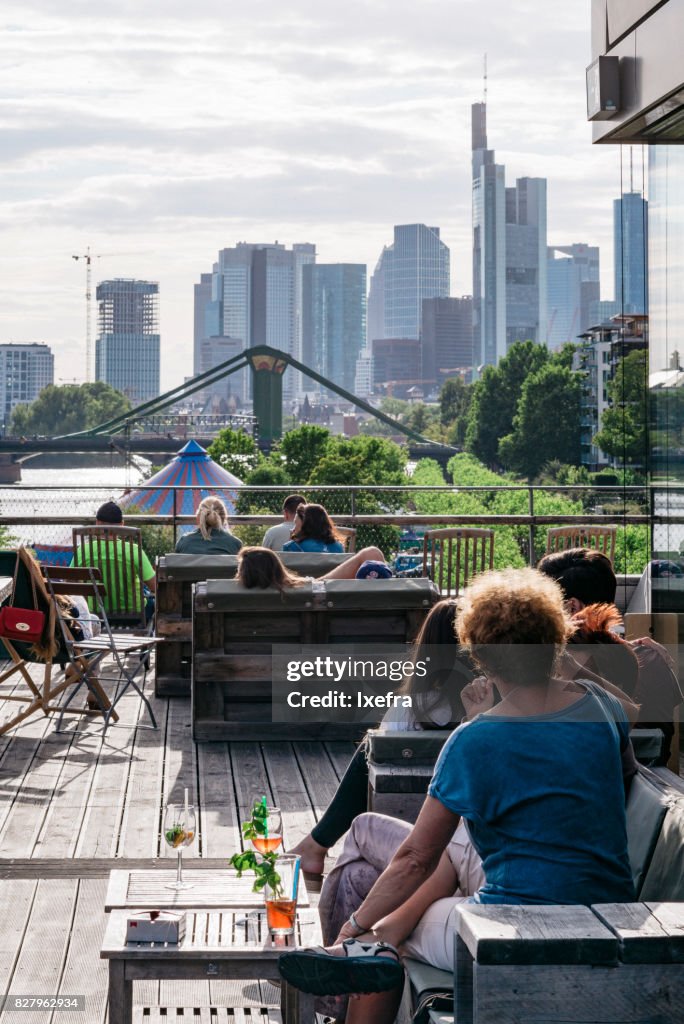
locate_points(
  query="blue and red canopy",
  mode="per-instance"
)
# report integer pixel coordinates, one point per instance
(192, 467)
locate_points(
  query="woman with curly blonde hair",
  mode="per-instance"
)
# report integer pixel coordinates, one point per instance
(537, 781)
(212, 536)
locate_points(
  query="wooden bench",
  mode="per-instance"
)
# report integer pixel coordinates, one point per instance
(401, 764)
(235, 630)
(611, 964)
(175, 577)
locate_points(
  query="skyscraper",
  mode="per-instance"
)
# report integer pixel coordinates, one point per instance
(256, 298)
(127, 346)
(509, 252)
(415, 267)
(446, 337)
(334, 319)
(24, 371)
(572, 289)
(630, 240)
(375, 320)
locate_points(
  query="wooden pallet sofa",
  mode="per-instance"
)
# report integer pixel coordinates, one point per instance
(400, 766)
(610, 964)
(234, 631)
(175, 577)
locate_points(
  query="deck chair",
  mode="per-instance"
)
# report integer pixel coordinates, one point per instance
(348, 536)
(451, 557)
(59, 673)
(117, 552)
(129, 653)
(601, 538)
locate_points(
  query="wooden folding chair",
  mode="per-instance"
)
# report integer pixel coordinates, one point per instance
(348, 535)
(600, 538)
(451, 557)
(117, 552)
(87, 654)
(50, 652)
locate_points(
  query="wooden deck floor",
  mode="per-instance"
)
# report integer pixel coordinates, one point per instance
(74, 805)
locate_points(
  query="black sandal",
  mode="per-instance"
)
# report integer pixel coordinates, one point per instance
(361, 970)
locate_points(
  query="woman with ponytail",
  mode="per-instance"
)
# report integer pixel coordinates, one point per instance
(212, 536)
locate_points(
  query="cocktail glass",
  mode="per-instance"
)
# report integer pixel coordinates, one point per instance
(179, 831)
(281, 899)
(270, 820)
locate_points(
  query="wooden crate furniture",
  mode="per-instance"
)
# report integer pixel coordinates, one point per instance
(602, 538)
(400, 766)
(234, 631)
(451, 557)
(175, 577)
(231, 943)
(211, 889)
(611, 964)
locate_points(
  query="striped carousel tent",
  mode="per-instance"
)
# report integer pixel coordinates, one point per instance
(192, 467)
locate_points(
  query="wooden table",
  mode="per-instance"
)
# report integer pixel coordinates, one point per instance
(231, 943)
(619, 963)
(210, 889)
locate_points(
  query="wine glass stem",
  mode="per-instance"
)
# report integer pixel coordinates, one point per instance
(179, 872)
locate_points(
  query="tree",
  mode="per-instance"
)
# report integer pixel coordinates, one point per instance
(623, 432)
(69, 408)
(495, 399)
(300, 451)
(266, 473)
(547, 423)
(236, 451)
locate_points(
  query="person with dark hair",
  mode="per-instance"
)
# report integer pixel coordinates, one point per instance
(278, 535)
(544, 806)
(260, 567)
(436, 704)
(586, 577)
(314, 531)
(110, 514)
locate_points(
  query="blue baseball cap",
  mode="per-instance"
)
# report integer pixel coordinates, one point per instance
(373, 571)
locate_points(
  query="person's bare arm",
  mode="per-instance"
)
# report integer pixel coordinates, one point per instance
(151, 584)
(413, 863)
(398, 925)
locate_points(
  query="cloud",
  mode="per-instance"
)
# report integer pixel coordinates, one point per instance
(169, 132)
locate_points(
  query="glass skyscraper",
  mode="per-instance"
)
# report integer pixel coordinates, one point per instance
(413, 268)
(127, 346)
(630, 241)
(334, 320)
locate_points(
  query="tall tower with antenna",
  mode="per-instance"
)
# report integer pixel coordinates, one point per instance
(88, 257)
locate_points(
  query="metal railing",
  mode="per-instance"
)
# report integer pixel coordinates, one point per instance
(387, 516)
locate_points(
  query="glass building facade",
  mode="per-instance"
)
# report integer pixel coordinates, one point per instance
(334, 320)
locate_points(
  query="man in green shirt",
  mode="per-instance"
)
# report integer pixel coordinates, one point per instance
(125, 587)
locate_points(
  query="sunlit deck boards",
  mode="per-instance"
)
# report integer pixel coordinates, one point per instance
(73, 805)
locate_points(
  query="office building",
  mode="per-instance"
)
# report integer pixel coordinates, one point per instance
(334, 320)
(24, 371)
(446, 338)
(413, 268)
(230, 392)
(363, 380)
(396, 365)
(256, 297)
(127, 346)
(573, 288)
(201, 328)
(509, 252)
(630, 247)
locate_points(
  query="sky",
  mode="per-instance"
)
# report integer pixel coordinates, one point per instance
(158, 133)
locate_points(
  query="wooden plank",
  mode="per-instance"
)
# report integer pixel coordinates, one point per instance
(99, 834)
(289, 792)
(535, 935)
(84, 973)
(95, 867)
(547, 994)
(220, 821)
(647, 933)
(180, 773)
(250, 777)
(19, 896)
(139, 836)
(38, 969)
(209, 889)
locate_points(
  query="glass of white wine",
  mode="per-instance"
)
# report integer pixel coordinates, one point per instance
(179, 831)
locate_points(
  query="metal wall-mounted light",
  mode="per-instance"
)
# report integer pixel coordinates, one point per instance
(603, 88)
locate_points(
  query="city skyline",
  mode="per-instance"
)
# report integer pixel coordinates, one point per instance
(328, 136)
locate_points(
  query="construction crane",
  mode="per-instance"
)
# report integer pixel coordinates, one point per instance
(88, 257)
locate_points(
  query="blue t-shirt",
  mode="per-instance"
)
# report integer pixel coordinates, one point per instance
(544, 802)
(315, 546)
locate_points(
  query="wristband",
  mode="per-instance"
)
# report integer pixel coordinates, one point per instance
(355, 924)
